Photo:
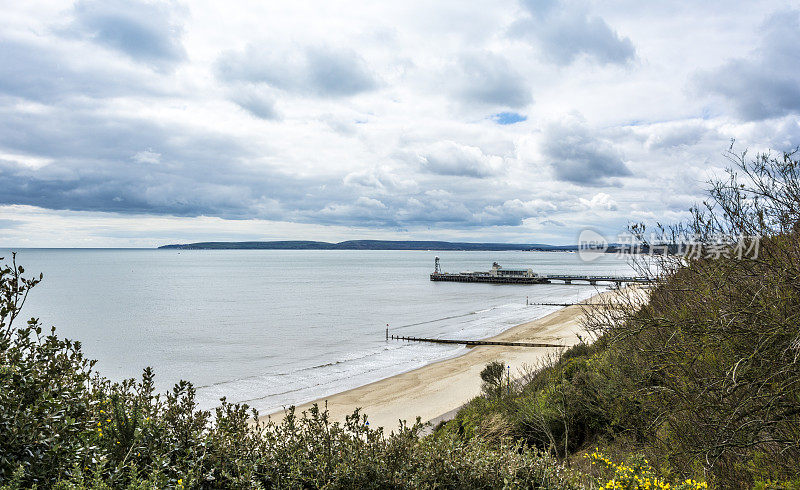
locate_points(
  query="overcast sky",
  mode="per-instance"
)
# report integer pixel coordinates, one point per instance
(134, 123)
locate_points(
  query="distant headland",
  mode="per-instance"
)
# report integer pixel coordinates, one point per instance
(368, 245)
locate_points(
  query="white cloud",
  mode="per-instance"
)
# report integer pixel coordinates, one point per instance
(451, 158)
(147, 156)
(600, 202)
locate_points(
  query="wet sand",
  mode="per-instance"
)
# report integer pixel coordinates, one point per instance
(435, 392)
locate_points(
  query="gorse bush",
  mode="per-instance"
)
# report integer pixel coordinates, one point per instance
(64, 426)
(637, 474)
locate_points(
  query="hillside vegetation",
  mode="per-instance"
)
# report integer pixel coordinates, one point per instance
(695, 384)
(702, 378)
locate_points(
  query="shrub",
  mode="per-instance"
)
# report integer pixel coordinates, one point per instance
(492, 376)
(637, 474)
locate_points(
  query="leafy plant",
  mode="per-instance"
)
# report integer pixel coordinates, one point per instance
(492, 376)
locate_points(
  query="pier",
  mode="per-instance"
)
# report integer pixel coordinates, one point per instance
(473, 343)
(569, 279)
(499, 275)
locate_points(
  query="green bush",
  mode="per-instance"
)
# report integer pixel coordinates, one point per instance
(492, 376)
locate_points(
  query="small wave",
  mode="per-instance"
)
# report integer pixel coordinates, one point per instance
(355, 357)
(436, 320)
(325, 381)
(302, 384)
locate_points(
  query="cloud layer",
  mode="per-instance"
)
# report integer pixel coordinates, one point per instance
(765, 84)
(139, 123)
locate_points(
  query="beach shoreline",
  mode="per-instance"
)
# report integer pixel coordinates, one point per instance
(434, 392)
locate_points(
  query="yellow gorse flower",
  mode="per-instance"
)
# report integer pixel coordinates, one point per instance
(635, 477)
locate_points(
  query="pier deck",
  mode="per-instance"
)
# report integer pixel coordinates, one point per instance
(539, 279)
(499, 275)
(444, 276)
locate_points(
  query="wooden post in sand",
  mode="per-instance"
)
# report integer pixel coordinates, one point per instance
(387, 332)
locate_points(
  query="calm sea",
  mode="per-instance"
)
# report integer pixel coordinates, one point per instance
(274, 328)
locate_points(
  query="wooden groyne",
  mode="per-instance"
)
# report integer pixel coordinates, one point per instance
(474, 342)
(564, 304)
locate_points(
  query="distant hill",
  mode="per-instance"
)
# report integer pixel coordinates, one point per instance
(366, 245)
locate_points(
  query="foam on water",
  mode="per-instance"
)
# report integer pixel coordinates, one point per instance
(294, 387)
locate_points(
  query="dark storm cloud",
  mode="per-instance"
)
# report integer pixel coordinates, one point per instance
(487, 78)
(318, 71)
(578, 157)
(767, 83)
(564, 32)
(50, 73)
(148, 32)
(131, 165)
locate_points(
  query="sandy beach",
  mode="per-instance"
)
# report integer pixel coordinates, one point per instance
(434, 392)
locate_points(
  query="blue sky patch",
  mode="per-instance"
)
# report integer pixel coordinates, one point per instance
(508, 118)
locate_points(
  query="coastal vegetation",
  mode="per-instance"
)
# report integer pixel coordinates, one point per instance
(695, 384)
(700, 378)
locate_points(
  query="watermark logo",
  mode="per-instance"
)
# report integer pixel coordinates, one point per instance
(591, 245)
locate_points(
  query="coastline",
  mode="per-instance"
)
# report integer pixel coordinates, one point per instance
(435, 392)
